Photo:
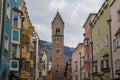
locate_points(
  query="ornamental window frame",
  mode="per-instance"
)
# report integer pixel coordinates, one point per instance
(14, 41)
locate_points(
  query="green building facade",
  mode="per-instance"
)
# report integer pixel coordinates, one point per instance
(101, 43)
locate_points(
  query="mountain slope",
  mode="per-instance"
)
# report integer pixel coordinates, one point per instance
(67, 50)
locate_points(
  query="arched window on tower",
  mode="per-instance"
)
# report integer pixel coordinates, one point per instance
(57, 31)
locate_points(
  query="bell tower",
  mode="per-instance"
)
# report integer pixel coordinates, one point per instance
(57, 48)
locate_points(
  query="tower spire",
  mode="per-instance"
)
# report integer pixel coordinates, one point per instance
(57, 10)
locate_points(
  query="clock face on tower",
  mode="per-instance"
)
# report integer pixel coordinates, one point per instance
(58, 51)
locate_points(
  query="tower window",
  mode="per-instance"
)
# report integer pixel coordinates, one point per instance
(57, 31)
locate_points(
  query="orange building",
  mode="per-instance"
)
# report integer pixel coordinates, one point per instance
(27, 47)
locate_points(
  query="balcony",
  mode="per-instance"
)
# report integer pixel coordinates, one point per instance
(117, 71)
(95, 73)
(105, 70)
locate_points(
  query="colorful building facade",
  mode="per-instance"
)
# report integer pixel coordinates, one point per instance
(76, 63)
(82, 62)
(102, 58)
(15, 39)
(88, 47)
(115, 37)
(27, 47)
(9, 7)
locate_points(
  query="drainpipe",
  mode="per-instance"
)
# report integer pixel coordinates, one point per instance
(2, 28)
(91, 49)
(109, 21)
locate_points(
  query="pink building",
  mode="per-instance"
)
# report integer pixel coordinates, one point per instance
(76, 62)
(115, 35)
(88, 47)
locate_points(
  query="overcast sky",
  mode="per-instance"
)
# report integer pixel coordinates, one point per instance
(73, 12)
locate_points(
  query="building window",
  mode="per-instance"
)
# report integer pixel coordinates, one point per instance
(104, 64)
(23, 63)
(76, 68)
(16, 20)
(119, 15)
(117, 64)
(87, 74)
(57, 31)
(27, 66)
(95, 69)
(15, 51)
(116, 41)
(16, 35)
(82, 63)
(86, 42)
(106, 39)
(8, 10)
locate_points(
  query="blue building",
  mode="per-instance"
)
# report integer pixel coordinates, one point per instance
(9, 65)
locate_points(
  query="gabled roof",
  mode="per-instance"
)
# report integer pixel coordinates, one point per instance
(90, 15)
(58, 16)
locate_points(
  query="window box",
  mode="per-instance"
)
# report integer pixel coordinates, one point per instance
(105, 70)
(94, 73)
(117, 71)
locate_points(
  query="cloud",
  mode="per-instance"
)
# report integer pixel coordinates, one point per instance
(73, 12)
(57, 4)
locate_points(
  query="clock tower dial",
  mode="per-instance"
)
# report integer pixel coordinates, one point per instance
(58, 51)
(57, 48)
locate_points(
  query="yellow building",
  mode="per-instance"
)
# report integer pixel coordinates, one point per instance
(82, 59)
(27, 47)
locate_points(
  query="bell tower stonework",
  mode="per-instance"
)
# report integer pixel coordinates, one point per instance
(57, 48)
